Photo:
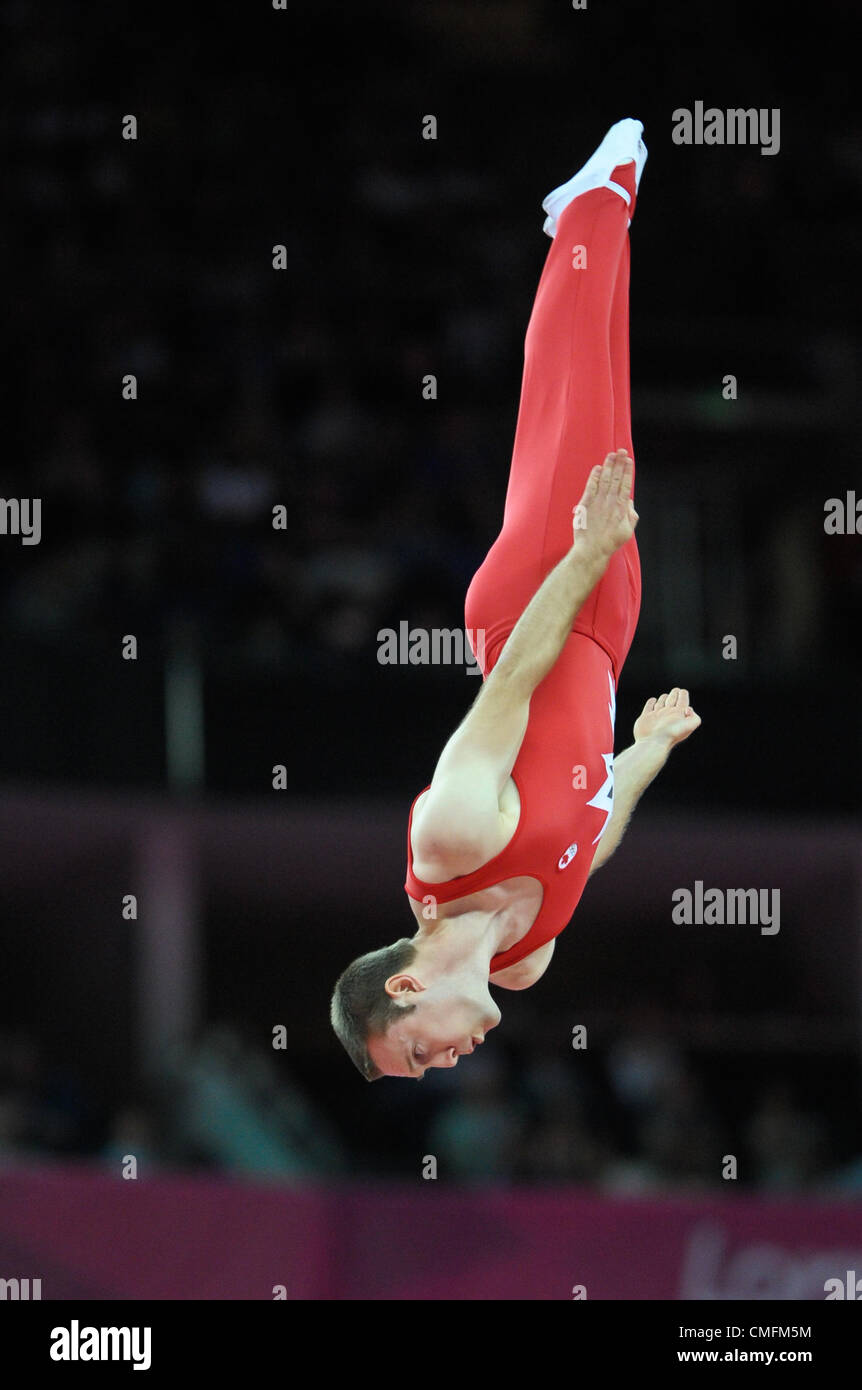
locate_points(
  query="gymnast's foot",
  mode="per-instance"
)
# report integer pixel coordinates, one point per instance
(622, 145)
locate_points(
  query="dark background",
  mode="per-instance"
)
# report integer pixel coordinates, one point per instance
(302, 387)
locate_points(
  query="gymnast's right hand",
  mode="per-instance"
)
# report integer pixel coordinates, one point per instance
(605, 517)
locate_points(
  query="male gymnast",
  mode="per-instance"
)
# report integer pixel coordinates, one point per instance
(527, 800)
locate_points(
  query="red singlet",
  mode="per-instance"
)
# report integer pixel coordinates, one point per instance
(574, 409)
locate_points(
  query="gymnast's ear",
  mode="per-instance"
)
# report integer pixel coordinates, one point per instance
(399, 985)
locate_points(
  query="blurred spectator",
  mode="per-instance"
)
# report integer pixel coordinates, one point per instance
(133, 1135)
(789, 1145)
(475, 1135)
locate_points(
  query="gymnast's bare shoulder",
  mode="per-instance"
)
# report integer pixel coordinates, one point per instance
(525, 972)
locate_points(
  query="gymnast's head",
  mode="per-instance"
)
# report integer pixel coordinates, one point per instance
(403, 1009)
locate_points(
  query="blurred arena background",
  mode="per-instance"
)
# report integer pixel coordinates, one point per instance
(194, 1037)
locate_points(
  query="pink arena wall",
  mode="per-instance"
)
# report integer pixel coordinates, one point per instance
(89, 1236)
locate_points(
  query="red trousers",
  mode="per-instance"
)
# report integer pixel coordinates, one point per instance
(575, 408)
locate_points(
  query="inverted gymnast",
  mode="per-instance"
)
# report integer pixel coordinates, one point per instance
(527, 799)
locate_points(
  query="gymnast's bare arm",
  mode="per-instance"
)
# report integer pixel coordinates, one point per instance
(664, 722)
(462, 823)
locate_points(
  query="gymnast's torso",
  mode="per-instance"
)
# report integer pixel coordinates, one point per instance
(553, 811)
(515, 902)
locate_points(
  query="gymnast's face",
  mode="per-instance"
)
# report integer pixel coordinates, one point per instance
(451, 1018)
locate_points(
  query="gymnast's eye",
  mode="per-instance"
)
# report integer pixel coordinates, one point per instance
(418, 1054)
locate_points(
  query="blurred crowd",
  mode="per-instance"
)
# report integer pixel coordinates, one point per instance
(303, 388)
(642, 1119)
(255, 388)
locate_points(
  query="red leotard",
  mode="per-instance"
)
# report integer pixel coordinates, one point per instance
(575, 408)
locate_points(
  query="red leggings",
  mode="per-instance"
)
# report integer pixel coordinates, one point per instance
(575, 408)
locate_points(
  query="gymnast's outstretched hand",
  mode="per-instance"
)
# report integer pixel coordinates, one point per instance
(605, 517)
(667, 719)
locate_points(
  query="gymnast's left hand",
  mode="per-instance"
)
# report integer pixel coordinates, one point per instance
(667, 719)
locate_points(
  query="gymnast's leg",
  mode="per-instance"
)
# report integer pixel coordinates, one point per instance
(569, 416)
